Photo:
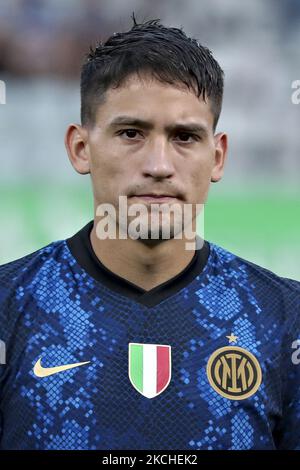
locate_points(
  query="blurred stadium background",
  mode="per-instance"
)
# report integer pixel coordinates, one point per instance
(254, 211)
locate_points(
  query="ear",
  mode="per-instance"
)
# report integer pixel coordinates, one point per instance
(221, 144)
(77, 147)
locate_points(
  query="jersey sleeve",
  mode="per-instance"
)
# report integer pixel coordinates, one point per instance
(288, 431)
(4, 301)
(8, 330)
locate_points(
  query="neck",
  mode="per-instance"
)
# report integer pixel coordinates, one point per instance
(145, 265)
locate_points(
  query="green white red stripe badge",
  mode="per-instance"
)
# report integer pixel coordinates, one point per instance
(149, 368)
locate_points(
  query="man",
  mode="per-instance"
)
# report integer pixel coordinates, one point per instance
(140, 342)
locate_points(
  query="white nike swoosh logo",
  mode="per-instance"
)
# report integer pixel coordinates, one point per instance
(41, 371)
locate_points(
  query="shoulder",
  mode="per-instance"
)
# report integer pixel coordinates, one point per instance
(239, 267)
(22, 287)
(277, 295)
(21, 272)
(35, 258)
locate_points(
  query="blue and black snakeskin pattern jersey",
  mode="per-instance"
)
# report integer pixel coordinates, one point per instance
(59, 305)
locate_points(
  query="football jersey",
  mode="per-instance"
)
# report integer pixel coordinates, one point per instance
(89, 360)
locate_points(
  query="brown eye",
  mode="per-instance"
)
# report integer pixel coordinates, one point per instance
(130, 133)
(184, 136)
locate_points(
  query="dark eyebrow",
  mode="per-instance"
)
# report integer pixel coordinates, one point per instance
(131, 121)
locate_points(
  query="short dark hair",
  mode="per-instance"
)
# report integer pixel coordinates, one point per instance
(168, 54)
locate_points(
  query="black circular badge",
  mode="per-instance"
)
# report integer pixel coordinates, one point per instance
(234, 372)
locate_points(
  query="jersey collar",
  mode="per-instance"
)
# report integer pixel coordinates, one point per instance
(82, 250)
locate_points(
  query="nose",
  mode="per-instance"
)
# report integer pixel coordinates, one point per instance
(158, 161)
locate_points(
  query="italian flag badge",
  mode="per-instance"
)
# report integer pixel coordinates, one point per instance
(149, 368)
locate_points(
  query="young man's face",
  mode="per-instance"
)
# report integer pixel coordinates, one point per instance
(152, 150)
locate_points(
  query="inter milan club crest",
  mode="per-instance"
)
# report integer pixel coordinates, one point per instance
(234, 372)
(149, 368)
